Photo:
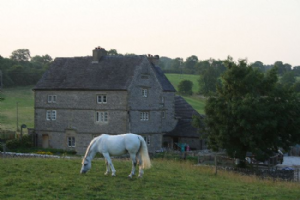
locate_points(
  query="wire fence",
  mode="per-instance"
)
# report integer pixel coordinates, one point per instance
(271, 170)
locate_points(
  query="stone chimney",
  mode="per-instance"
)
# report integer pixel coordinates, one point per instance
(98, 53)
(153, 59)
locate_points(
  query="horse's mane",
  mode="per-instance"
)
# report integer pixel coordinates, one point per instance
(88, 149)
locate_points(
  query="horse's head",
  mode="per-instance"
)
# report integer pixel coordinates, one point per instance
(86, 166)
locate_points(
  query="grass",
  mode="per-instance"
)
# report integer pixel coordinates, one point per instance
(29, 178)
(8, 108)
(196, 101)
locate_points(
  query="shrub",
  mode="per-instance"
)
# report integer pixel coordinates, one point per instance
(185, 87)
(25, 142)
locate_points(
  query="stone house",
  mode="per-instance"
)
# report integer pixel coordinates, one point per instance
(82, 97)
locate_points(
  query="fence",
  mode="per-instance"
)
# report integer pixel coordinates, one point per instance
(264, 171)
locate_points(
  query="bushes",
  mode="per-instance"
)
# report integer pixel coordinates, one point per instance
(185, 87)
(25, 142)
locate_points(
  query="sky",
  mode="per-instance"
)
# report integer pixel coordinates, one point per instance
(256, 30)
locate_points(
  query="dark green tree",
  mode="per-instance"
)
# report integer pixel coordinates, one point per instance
(189, 65)
(208, 81)
(20, 55)
(112, 52)
(296, 70)
(185, 87)
(296, 86)
(176, 64)
(41, 60)
(288, 79)
(249, 113)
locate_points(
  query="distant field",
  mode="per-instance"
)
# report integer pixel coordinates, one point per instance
(36, 178)
(8, 108)
(196, 101)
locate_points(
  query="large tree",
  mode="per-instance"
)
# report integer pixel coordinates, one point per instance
(249, 113)
(20, 55)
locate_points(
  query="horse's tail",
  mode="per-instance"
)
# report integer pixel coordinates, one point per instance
(144, 154)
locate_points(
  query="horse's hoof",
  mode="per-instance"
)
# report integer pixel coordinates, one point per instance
(130, 176)
(113, 175)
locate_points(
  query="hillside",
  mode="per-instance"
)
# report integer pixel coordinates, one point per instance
(196, 101)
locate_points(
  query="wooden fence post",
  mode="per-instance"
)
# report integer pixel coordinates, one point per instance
(216, 166)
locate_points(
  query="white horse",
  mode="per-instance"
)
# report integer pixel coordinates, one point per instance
(116, 145)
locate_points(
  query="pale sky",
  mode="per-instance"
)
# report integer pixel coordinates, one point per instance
(258, 30)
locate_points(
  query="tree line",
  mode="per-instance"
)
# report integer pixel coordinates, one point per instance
(210, 72)
(21, 69)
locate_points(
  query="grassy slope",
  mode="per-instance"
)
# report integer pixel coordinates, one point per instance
(25, 178)
(197, 102)
(8, 108)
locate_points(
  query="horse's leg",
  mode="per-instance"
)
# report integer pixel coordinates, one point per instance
(133, 158)
(107, 167)
(141, 169)
(107, 157)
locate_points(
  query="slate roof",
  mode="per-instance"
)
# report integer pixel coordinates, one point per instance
(111, 73)
(184, 112)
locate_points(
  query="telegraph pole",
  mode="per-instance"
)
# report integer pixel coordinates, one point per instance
(17, 116)
(1, 85)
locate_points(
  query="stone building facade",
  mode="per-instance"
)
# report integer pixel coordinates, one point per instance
(83, 97)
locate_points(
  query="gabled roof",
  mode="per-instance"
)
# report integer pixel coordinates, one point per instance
(110, 73)
(184, 112)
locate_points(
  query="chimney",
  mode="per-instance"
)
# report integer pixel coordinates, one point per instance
(98, 53)
(153, 59)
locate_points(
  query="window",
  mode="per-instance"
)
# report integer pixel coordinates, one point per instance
(144, 116)
(102, 116)
(51, 98)
(163, 115)
(147, 139)
(144, 92)
(162, 99)
(101, 98)
(71, 141)
(51, 115)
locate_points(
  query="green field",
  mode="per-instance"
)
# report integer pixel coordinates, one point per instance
(196, 101)
(24, 98)
(29, 178)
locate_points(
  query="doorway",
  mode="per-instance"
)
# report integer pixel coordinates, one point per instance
(45, 143)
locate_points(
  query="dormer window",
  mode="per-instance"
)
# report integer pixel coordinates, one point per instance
(51, 98)
(144, 92)
(101, 99)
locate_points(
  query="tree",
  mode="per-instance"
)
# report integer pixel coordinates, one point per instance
(288, 79)
(208, 81)
(112, 52)
(259, 65)
(296, 86)
(296, 70)
(250, 114)
(41, 60)
(176, 64)
(20, 55)
(185, 87)
(190, 64)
